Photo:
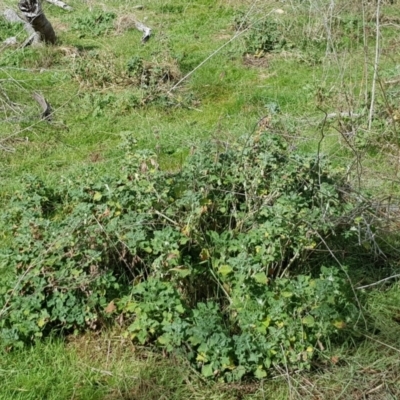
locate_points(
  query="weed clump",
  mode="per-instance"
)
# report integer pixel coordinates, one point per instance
(94, 24)
(263, 36)
(217, 261)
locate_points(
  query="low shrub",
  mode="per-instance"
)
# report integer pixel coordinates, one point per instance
(217, 261)
(94, 24)
(262, 36)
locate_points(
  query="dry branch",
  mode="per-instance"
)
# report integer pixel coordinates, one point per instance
(344, 114)
(61, 4)
(145, 29)
(129, 21)
(44, 105)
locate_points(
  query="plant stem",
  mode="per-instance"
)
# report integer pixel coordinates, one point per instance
(376, 62)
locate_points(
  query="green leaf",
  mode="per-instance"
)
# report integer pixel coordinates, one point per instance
(261, 278)
(308, 320)
(195, 340)
(182, 272)
(41, 322)
(97, 196)
(260, 372)
(163, 339)
(207, 370)
(224, 270)
(180, 309)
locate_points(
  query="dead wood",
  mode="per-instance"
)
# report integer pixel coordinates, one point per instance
(61, 4)
(129, 21)
(34, 15)
(44, 105)
(145, 29)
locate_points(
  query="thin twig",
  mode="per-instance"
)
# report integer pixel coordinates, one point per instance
(376, 62)
(167, 218)
(287, 376)
(378, 282)
(382, 343)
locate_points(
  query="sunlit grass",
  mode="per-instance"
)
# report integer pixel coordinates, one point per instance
(223, 98)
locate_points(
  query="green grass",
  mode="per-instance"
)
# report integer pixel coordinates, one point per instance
(220, 100)
(108, 367)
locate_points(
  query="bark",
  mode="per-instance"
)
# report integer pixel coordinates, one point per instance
(61, 4)
(44, 105)
(34, 15)
(145, 29)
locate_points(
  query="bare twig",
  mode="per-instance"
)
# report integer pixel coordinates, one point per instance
(286, 374)
(378, 282)
(344, 114)
(382, 343)
(375, 389)
(167, 218)
(7, 149)
(376, 62)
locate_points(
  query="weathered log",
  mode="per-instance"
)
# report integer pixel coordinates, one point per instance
(145, 29)
(34, 15)
(61, 4)
(44, 105)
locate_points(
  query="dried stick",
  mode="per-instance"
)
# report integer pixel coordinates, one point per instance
(376, 62)
(145, 29)
(44, 105)
(378, 282)
(61, 4)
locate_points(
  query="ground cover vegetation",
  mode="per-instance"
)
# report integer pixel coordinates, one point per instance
(209, 214)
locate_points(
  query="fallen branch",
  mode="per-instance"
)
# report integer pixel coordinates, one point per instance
(34, 15)
(61, 4)
(345, 114)
(46, 113)
(44, 105)
(145, 29)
